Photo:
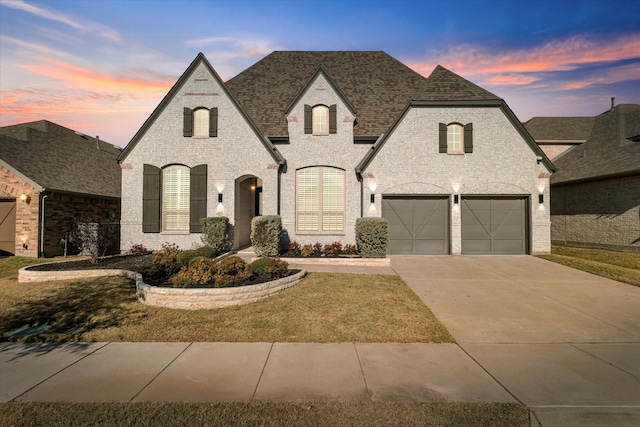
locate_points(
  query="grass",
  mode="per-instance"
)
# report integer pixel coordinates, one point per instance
(621, 266)
(323, 307)
(265, 414)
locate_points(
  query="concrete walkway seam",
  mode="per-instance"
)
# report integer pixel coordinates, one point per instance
(160, 373)
(604, 361)
(264, 366)
(56, 373)
(364, 378)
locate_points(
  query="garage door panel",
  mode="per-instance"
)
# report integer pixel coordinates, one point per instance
(494, 225)
(417, 224)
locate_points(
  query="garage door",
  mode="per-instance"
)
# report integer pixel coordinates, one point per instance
(7, 227)
(417, 225)
(495, 225)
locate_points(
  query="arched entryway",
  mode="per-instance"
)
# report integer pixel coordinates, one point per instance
(248, 203)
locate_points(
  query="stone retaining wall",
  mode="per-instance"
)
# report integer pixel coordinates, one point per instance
(359, 262)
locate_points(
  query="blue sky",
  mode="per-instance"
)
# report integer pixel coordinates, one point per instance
(102, 66)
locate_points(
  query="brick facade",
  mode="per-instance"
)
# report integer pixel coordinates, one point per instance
(26, 225)
(601, 214)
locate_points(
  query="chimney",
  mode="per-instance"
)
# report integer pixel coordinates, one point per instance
(613, 102)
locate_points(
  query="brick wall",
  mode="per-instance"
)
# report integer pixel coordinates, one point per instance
(11, 187)
(602, 213)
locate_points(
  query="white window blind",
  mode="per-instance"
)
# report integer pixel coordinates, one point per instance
(175, 198)
(320, 199)
(321, 120)
(201, 122)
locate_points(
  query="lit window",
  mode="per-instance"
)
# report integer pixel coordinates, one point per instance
(175, 198)
(320, 199)
(201, 122)
(321, 120)
(455, 142)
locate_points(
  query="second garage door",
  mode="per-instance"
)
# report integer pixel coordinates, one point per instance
(417, 225)
(494, 225)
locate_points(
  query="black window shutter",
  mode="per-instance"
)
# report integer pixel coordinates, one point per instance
(198, 198)
(213, 122)
(151, 188)
(443, 138)
(333, 119)
(187, 129)
(308, 124)
(468, 138)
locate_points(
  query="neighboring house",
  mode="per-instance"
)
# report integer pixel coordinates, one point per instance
(49, 175)
(595, 192)
(324, 138)
(556, 135)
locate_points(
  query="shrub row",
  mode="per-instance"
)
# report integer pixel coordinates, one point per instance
(318, 249)
(170, 259)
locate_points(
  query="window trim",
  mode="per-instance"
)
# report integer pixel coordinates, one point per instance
(460, 149)
(201, 130)
(320, 226)
(320, 127)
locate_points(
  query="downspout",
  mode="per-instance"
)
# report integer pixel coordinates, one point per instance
(279, 175)
(42, 225)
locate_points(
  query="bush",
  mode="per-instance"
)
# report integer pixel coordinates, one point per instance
(265, 235)
(317, 248)
(372, 236)
(216, 233)
(269, 268)
(230, 266)
(185, 257)
(94, 235)
(138, 250)
(207, 252)
(165, 261)
(201, 272)
(350, 249)
(294, 248)
(306, 251)
(328, 250)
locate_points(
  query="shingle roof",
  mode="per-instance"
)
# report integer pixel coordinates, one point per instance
(378, 86)
(607, 152)
(58, 159)
(560, 128)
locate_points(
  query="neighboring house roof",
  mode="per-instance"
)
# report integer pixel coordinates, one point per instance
(612, 149)
(51, 157)
(560, 129)
(377, 85)
(200, 58)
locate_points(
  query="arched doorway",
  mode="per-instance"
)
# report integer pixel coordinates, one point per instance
(248, 203)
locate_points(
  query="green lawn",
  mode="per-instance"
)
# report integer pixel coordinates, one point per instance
(265, 414)
(620, 266)
(323, 307)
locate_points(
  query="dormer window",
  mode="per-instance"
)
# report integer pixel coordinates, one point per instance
(320, 120)
(200, 123)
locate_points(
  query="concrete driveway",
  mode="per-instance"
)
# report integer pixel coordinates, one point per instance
(563, 342)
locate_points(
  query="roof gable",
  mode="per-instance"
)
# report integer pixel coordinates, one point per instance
(608, 152)
(56, 158)
(445, 85)
(199, 59)
(321, 71)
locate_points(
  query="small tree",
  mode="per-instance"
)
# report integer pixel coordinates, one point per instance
(265, 235)
(94, 235)
(217, 233)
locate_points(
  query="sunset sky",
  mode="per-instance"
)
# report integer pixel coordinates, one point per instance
(102, 66)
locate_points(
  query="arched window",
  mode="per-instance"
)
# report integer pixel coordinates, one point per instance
(320, 120)
(201, 122)
(455, 138)
(176, 187)
(320, 199)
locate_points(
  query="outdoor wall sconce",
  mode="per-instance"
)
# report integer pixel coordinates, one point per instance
(219, 197)
(373, 198)
(25, 198)
(541, 198)
(456, 199)
(25, 246)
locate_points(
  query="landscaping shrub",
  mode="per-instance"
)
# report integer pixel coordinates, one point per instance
(165, 261)
(216, 233)
(269, 268)
(328, 250)
(207, 251)
(138, 250)
(306, 251)
(294, 248)
(94, 235)
(184, 257)
(231, 266)
(350, 249)
(372, 237)
(317, 249)
(265, 235)
(201, 272)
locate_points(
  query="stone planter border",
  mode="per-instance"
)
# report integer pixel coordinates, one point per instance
(182, 298)
(361, 262)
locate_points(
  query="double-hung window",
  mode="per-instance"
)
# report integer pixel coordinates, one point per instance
(175, 198)
(320, 120)
(320, 200)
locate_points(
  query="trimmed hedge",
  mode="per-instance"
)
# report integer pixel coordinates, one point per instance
(372, 237)
(265, 235)
(216, 233)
